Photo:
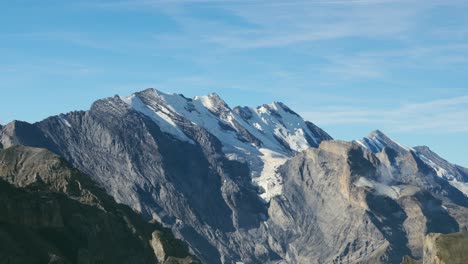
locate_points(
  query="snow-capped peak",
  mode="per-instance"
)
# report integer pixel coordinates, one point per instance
(213, 102)
(376, 141)
(273, 126)
(455, 175)
(258, 136)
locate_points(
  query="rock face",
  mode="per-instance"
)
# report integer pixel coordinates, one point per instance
(454, 174)
(356, 208)
(188, 163)
(51, 213)
(253, 185)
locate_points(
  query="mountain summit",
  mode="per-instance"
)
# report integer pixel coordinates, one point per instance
(376, 141)
(255, 184)
(456, 175)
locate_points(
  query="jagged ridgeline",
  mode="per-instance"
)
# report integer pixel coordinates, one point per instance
(52, 213)
(257, 184)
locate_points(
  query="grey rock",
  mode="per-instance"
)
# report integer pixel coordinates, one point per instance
(340, 206)
(450, 171)
(370, 201)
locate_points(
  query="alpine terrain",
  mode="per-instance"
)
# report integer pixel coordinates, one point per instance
(239, 185)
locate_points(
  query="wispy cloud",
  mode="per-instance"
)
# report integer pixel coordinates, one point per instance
(438, 116)
(305, 22)
(311, 28)
(275, 23)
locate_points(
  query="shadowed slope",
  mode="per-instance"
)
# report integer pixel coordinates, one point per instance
(51, 213)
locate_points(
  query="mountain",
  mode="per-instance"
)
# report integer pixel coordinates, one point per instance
(191, 164)
(456, 175)
(253, 184)
(52, 213)
(344, 204)
(443, 168)
(376, 141)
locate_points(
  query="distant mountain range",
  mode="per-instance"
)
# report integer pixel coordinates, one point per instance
(256, 185)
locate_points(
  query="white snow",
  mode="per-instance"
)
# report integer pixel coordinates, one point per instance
(441, 172)
(360, 143)
(161, 117)
(257, 126)
(375, 141)
(64, 121)
(269, 179)
(288, 127)
(444, 174)
(207, 101)
(462, 186)
(267, 124)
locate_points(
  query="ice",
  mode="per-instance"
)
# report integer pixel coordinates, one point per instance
(65, 121)
(270, 180)
(161, 117)
(277, 129)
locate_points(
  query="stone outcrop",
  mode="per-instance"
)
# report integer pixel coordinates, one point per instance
(370, 201)
(51, 213)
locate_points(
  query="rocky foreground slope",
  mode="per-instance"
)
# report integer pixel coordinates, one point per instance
(443, 249)
(256, 185)
(52, 213)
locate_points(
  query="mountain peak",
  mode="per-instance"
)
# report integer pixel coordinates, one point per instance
(377, 133)
(442, 167)
(213, 102)
(423, 148)
(214, 95)
(376, 141)
(153, 91)
(274, 126)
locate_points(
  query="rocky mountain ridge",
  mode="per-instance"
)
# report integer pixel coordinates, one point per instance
(456, 175)
(254, 185)
(52, 213)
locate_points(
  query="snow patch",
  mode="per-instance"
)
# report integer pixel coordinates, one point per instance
(161, 117)
(271, 122)
(441, 172)
(377, 141)
(270, 180)
(206, 101)
(264, 141)
(257, 126)
(444, 174)
(360, 143)
(461, 186)
(64, 121)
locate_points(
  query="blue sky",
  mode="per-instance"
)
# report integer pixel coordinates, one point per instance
(348, 66)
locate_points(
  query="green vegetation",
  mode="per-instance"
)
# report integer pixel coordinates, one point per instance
(408, 260)
(453, 248)
(51, 213)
